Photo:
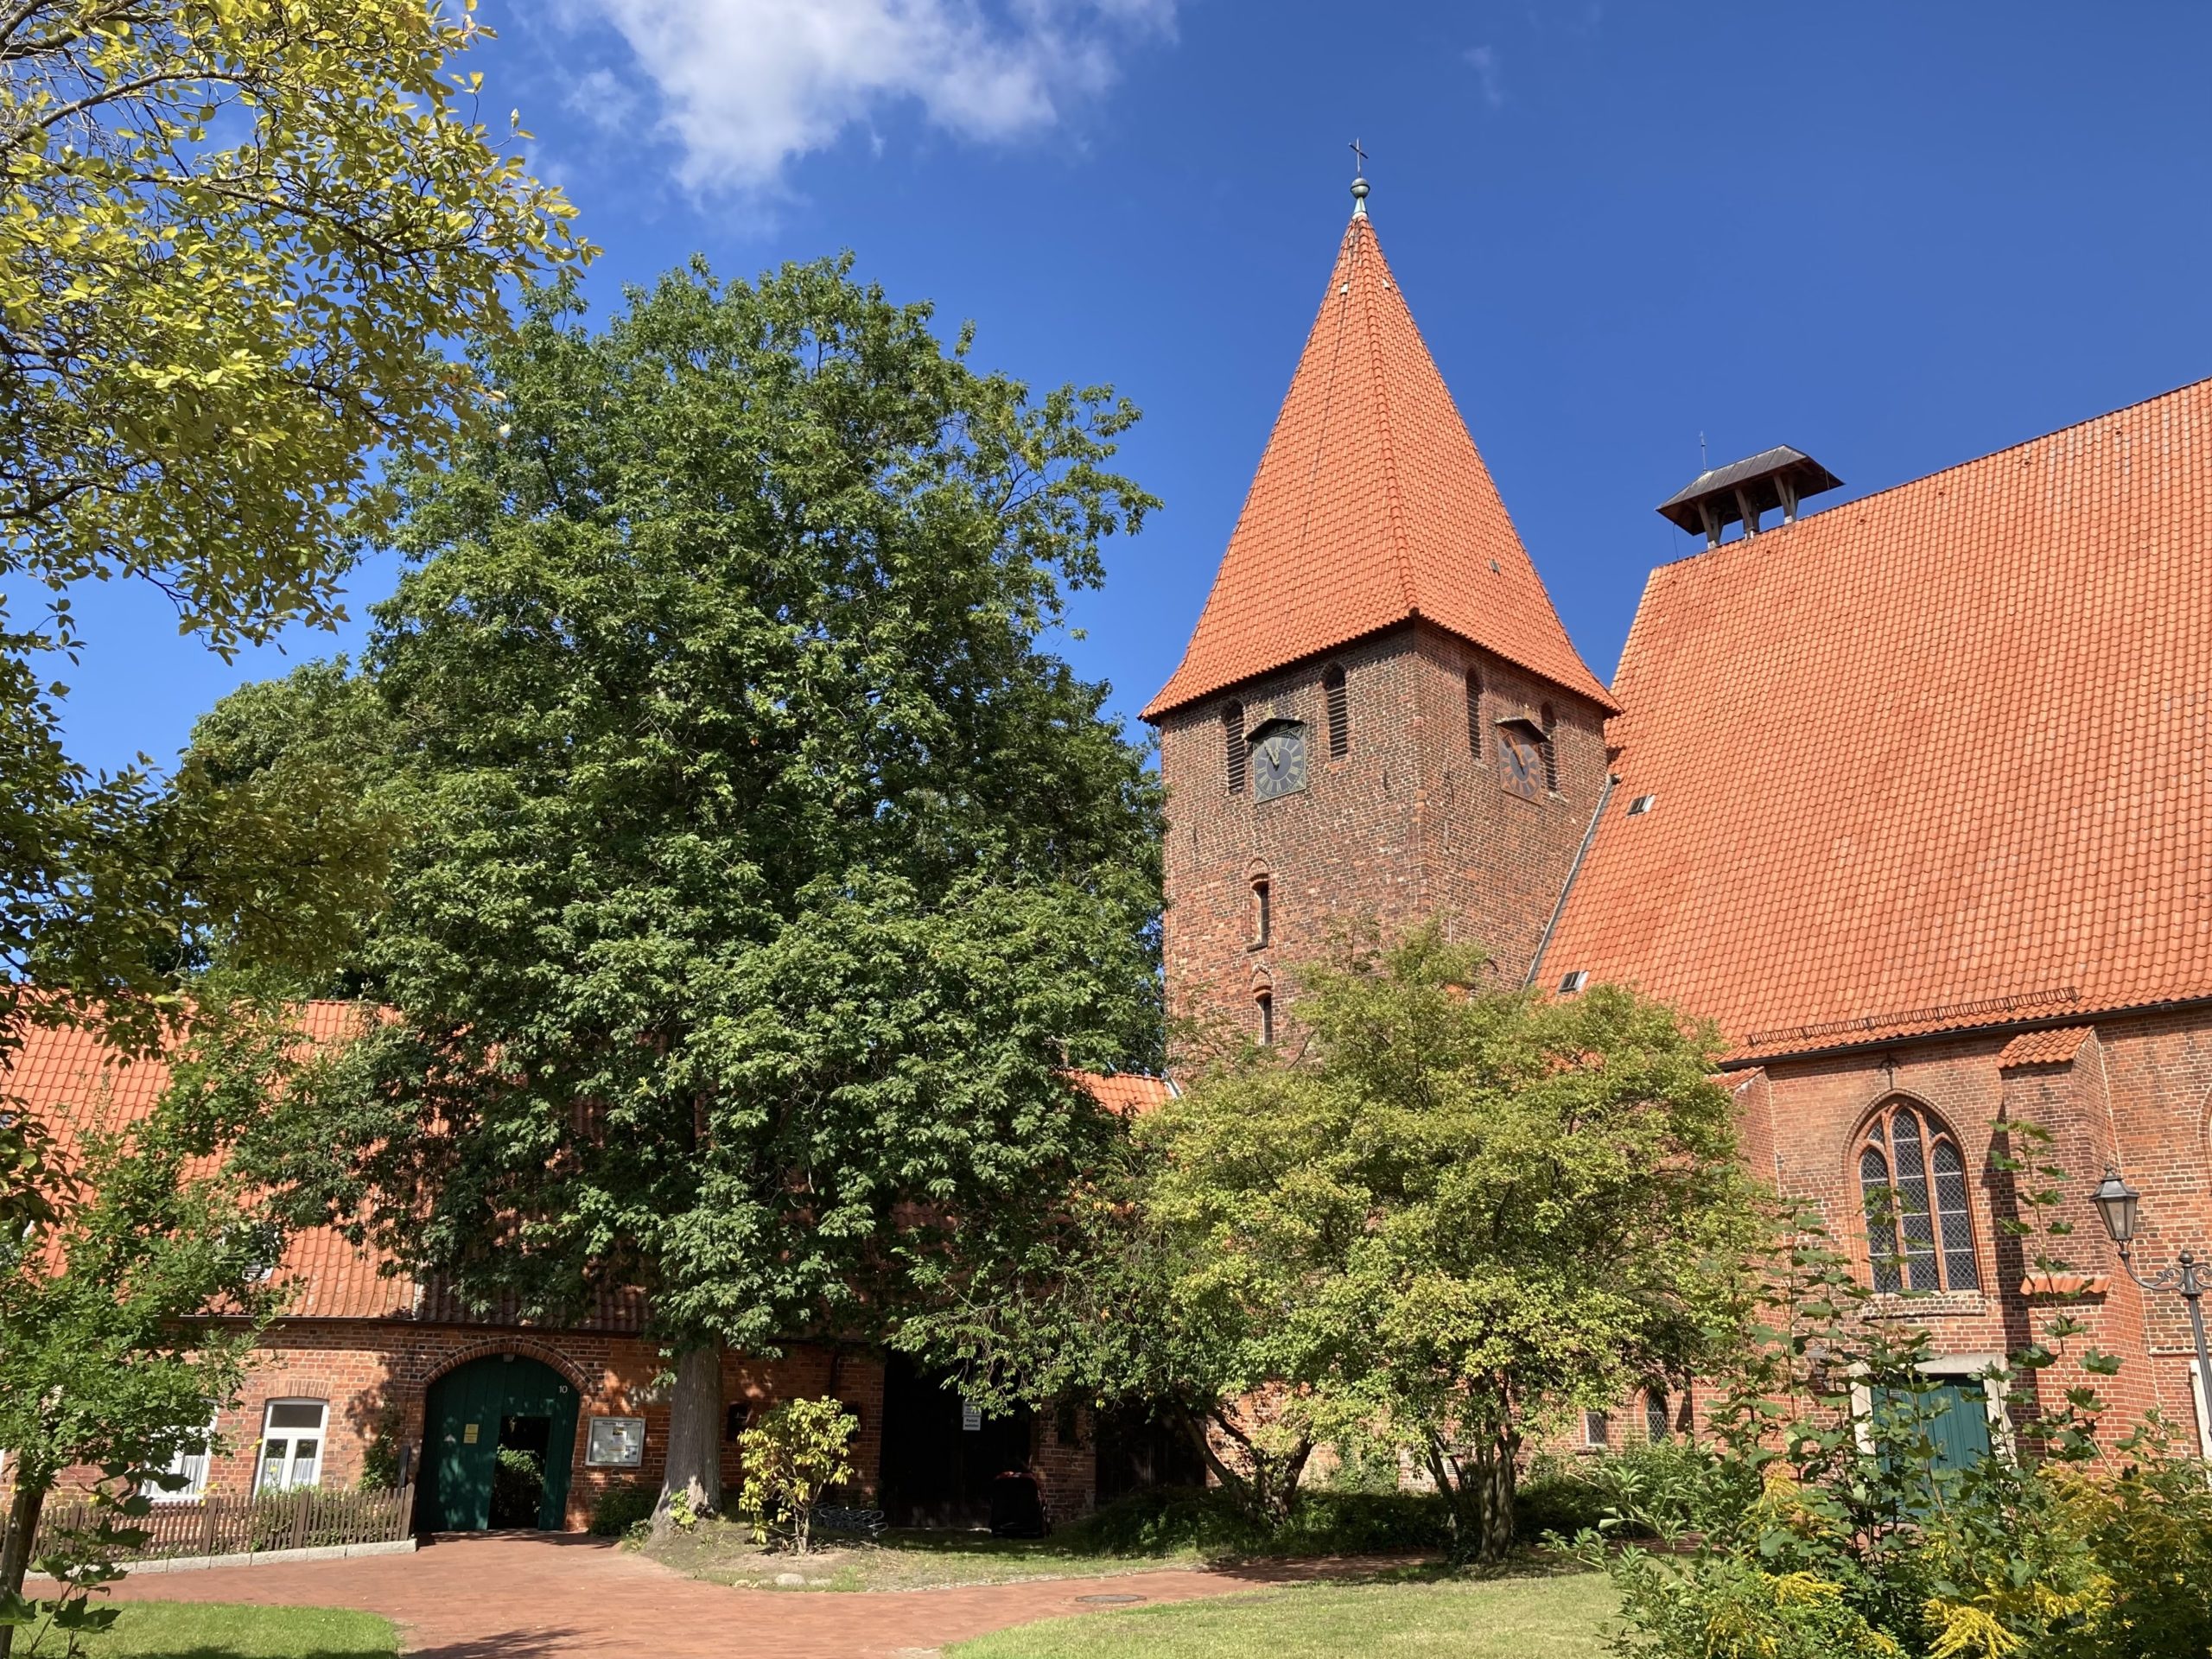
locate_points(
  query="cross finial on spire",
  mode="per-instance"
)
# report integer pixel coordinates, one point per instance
(1359, 181)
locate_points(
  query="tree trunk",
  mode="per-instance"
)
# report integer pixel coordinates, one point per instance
(1476, 1484)
(694, 1431)
(23, 1511)
(1267, 1488)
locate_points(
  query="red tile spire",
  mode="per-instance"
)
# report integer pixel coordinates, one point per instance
(1370, 507)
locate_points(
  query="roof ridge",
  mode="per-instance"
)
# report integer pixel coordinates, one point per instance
(1393, 495)
(1997, 454)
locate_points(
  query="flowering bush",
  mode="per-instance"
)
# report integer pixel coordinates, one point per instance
(793, 1457)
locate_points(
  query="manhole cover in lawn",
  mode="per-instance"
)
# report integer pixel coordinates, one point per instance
(1108, 1601)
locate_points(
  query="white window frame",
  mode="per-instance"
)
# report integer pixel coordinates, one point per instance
(289, 1479)
(195, 1485)
(1956, 1368)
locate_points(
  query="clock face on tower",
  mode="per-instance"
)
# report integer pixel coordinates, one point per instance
(1278, 760)
(1521, 766)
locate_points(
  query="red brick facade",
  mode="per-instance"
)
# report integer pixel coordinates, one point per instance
(375, 1378)
(2135, 1093)
(1413, 823)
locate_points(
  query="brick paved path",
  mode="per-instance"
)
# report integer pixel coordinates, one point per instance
(567, 1596)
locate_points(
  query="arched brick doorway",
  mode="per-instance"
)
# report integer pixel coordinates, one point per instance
(502, 1402)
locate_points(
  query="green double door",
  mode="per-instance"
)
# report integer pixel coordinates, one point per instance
(522, 1404)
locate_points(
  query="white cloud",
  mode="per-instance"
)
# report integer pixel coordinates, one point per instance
(1485, 61)
(603, 99)
(746, 85)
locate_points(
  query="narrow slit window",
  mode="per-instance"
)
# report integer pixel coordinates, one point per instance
(1339, 700)
(1475, 714)
(1267, 1005)
(1658, 1424)
(1262, 912)
(1551, 754)
(1232, 741)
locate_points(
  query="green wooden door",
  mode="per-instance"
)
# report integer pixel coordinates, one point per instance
(1959, 1429)
(462, 1422)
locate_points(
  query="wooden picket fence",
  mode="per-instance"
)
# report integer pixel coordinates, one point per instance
(307, 1519)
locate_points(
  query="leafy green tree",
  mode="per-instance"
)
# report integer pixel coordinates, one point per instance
(764, 875)
(108, 1360)
(1457, 1214)
(233, 236)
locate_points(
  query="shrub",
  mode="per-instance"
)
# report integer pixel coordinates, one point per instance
(2150, 1529)
(1556, 1499)
(621, 1508)
(1166, 1520)
(1830, 1527)
(792, 1457)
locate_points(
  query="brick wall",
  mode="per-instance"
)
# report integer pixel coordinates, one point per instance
(363, 1368)
(1410, 824)
(2135, 1093)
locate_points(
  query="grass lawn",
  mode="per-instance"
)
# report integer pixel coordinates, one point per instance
(724, 1553)
(189, 1629)
(1547, 1618)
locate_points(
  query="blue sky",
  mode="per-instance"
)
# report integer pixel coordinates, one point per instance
(1897, 235)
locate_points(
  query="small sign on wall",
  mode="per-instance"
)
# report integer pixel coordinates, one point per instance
(971, 1417)
(468, 1433)
(615, 1443)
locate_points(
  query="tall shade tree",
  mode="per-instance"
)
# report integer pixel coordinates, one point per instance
(233, 235)
(765, 875)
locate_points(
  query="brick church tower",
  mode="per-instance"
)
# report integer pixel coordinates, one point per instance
(1379, 715)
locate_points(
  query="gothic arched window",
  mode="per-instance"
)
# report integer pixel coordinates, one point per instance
(1912, 1180)
(1338, 701)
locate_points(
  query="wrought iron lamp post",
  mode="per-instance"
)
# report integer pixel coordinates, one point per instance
(2118, 1204)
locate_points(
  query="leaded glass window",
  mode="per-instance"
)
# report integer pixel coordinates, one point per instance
(1912, 1179)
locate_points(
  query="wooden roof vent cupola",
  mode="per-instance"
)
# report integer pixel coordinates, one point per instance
(1741, 492)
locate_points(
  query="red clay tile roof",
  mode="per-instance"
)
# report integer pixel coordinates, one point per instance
(1371, 506)
(1933, 759)
(71, 1084)
(2055, 1047)
(1125, 1092)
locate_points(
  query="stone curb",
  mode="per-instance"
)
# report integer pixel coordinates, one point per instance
(263, 1558)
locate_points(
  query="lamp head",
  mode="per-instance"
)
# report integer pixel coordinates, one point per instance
(2117, 1204)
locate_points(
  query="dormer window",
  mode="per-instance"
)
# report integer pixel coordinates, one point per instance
(1574, 981)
